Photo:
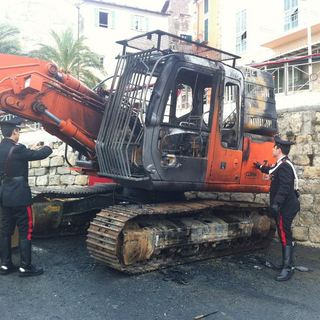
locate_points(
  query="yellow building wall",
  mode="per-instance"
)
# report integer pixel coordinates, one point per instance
(199, 18)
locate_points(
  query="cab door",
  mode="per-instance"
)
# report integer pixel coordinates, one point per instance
(225, 151)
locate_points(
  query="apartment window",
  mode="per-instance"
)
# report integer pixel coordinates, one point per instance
(206, 6)
(206, 31)
(290, 14)
(139, 23)
(241, 31)
(186, 36)
(104, 18)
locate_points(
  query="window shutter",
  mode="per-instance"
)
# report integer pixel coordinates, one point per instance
(96, 17)
(112, 19)
(132, 21)
(146, 21)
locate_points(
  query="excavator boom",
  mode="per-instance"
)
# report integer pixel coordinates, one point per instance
(36, 90)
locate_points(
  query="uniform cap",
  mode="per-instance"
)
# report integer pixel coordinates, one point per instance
(14, 122)
(279, 141)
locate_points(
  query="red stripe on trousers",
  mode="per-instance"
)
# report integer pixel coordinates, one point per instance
(30, 223)
(283, 235)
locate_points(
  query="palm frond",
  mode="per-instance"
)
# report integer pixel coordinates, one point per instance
(72, 56)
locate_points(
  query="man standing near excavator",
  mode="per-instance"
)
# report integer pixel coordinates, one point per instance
(15, 197)
(284, 203)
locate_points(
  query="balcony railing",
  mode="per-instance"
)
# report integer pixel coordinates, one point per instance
(292, 76)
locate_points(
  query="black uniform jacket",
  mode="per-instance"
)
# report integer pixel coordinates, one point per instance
(282, 187)
(17, 193)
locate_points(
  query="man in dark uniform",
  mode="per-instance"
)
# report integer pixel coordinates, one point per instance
(15, 196)
(284, 203)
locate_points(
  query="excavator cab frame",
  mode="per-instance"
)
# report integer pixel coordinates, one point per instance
(176, 117)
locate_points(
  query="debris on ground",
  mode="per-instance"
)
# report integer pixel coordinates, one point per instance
(173, 273)
(205, 315)
(245, 259)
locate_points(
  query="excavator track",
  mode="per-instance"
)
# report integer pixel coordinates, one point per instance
(103, 188)
(139, 239)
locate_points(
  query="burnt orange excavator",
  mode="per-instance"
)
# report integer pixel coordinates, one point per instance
(178, 116)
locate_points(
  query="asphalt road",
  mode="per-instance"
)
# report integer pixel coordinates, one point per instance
(240, 287)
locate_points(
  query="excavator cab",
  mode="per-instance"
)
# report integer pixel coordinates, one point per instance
(177, 118)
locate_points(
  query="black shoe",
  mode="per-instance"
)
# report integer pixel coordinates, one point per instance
(285, 274)
(30, 271)
(8, 268)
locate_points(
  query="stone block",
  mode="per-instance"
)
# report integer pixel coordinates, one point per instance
(316, 129)
(32, 181)
(300, 159)
(52, 171)
(54, 180)
(45, 162)
(67, 179)
(263, 198)
(81, 180)
(207, 195)
(317, 217)
(35, 164)
(191, 195)
(42, 181)
(224, 196)
(306, 218)
(63, 170)
(316, 160)
(40, 171)
(303, 140)
(302, 148)
(308, 122)
(306, 202)
(311, 173)
(57, 161)
(300, 233)
(309, 186)
(248, 197)
(314, 234)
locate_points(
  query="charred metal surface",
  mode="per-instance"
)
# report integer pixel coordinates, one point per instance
(68, 211)
(137, 239)
(66, 216)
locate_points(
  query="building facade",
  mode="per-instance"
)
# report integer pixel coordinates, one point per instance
(101, 22)
(104, 23)
(281, 36)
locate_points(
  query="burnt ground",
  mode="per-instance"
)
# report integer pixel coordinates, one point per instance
(238, 287)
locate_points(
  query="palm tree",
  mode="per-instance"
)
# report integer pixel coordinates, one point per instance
(72, 56)
(9, 42)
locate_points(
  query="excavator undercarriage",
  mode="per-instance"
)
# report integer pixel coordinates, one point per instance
(140, 238)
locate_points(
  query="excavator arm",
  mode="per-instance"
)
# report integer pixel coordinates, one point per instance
(36, 90)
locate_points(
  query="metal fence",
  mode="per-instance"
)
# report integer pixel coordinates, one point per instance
(290, 78)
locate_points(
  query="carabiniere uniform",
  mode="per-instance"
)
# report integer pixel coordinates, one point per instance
(282, 192)
(16, 200)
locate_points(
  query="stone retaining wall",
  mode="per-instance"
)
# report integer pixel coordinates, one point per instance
(54, 171)
(301, 125)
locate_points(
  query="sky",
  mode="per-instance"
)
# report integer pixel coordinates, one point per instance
(155, 5)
